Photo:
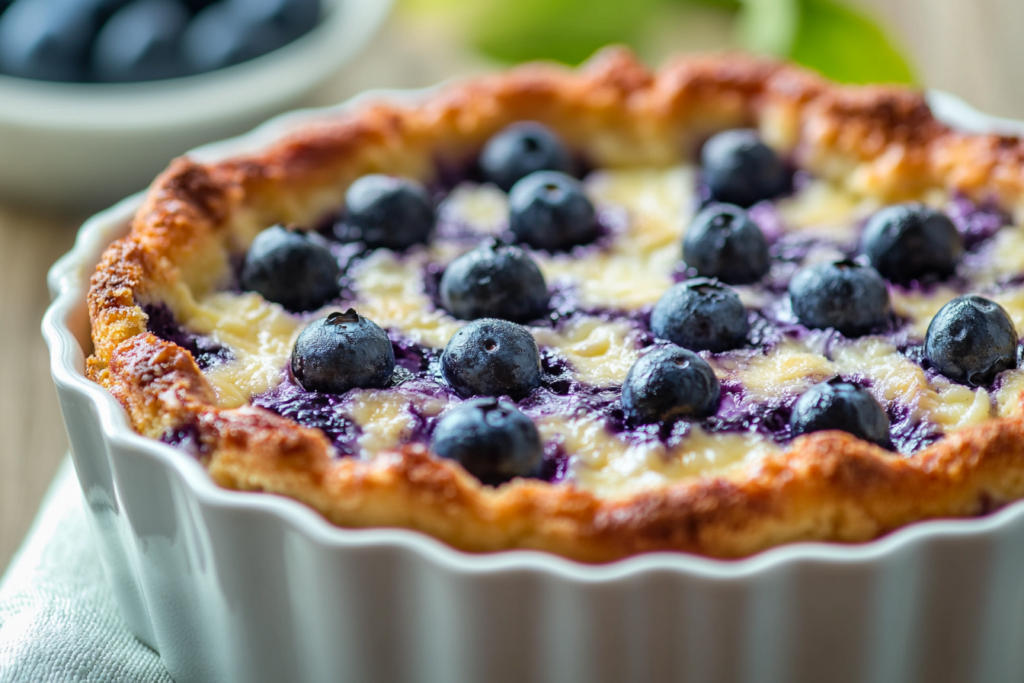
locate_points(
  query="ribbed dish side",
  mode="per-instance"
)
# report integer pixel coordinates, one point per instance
(238, 595)
(230, 588)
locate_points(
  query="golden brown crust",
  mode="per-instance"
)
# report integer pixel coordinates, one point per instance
(880, 141)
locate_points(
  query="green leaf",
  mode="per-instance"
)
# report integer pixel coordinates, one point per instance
(726, 4)
(564, 30)
(769, 26)
(826, 35)
(846, 45)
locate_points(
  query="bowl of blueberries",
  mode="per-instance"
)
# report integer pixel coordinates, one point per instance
(96, 96)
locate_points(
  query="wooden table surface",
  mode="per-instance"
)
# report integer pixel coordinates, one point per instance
(32, 437)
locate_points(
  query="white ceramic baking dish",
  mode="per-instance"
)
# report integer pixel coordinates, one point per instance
(231, 586)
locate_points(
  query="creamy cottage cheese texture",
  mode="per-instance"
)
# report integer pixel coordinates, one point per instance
(608, 288)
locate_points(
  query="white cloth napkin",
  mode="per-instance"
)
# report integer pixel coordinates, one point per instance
(58, 618)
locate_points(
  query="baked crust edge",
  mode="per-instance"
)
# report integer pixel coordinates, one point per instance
(829, 486)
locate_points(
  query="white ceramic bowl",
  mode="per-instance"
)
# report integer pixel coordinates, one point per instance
(232, 586)
(85, 145)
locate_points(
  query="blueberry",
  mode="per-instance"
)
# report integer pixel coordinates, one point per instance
(912, 242)
(292, 18)
(494, 282)
(195, 6)
(549, 210)
(140, 42)
(492, 358)
(343, 351)
(102, 10)
(491, 439)
(521, 149)
(842, 406)
(385, 211)
(289, 268)
(971, 340)
(217, 37)
(47, 39)
(701, 315)
(843, 295)
(669, 382)
(740, 169)
(723, 242)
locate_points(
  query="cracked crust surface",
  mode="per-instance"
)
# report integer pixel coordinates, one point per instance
(614, 112)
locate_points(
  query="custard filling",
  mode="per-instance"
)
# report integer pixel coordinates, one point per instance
(598, 327)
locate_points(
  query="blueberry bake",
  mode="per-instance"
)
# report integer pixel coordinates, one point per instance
(712, 309)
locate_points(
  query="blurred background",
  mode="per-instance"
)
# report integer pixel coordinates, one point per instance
(968, 47)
